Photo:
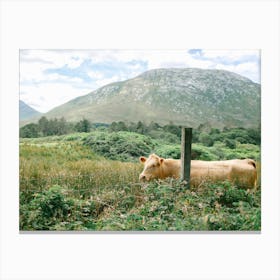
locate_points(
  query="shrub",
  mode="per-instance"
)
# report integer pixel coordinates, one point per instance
(169, 151)
(47, 209)
(230, 143)
(120, 145)
(29, 131)
(206, 139)
(52, 209)
(203, 153)
(164, 137)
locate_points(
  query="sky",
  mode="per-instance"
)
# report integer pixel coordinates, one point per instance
(49, 78)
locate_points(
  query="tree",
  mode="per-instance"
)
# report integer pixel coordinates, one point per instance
(83, 126)
(206, 139)
(172, 129)
(205, 127)
(141, 128)
(255, 136)
(132, 127)
(62, 127)
(44, 126)
(153, 126)
(118, 126)
(29, 131)
(121, 126)
(214, 131)
(230, 143)
(113, 127)
(195, 135)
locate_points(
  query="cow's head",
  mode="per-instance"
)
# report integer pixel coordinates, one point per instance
(152, 167)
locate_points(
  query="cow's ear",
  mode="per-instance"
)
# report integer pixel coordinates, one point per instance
(161, 160)
(142, 159)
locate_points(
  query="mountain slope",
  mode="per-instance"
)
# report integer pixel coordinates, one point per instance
(185, 96)
(26, 112)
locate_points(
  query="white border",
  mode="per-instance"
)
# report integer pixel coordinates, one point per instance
(140, 25)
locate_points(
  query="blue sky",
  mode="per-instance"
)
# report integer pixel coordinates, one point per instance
(49, 78)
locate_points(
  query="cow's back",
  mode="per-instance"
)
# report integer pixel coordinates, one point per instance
(209, 171)
(241, 172)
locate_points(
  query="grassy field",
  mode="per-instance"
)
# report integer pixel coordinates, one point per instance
(66, 185)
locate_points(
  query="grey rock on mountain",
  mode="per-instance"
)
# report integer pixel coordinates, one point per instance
(186, 97)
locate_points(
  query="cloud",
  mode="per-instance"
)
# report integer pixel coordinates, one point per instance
(231, 56)
(248, 69)
(95, 75)
(45, 97)
(243, 62)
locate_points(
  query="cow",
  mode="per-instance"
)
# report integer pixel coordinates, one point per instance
(240, 172)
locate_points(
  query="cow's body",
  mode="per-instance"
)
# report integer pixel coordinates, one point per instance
(241, 172)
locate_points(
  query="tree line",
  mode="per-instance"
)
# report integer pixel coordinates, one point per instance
(49, 127)
(204, 133)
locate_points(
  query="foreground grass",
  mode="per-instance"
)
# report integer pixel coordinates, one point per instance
(65, 186)
(159, 206)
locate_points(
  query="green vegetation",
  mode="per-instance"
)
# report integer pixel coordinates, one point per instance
(49, 127)
(159, 206)
(124, 141)
(119, 145)
(89, 181)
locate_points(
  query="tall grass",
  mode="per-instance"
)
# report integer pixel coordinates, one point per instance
(71, 165)
(64, 185)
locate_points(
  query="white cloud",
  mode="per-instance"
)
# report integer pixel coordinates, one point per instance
(44, 97)
(55, 58)
(248, 69)
(230, 55)
(95, 75)
(103, 82)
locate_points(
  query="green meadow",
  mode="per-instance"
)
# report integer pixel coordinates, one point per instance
(89, 182)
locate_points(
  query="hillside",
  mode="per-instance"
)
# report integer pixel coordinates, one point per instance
(184, 96)
(26, 112)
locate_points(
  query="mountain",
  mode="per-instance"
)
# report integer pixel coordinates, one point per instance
(26, 112)
(186, 97)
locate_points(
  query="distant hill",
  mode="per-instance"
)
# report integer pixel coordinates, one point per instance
(26, 112)
(184, 96)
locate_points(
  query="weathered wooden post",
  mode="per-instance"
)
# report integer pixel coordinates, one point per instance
(186, 147)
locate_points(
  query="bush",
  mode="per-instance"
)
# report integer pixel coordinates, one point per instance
(230, 143)
(52, 209)
(29, 131)
(203, 153)
(169, 151)
(122, 146)
(164, 137)
(47, 209)
(206, 139)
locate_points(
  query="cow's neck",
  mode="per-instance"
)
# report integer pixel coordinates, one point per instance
(166, 170)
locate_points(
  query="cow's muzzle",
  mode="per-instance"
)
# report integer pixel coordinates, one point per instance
(143, 178)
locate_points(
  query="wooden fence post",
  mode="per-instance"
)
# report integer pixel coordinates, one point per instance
(186, 147)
